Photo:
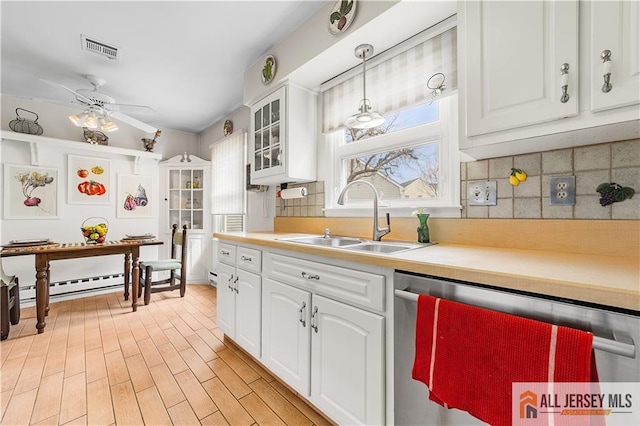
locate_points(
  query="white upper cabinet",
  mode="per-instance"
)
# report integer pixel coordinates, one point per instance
(615, 29)
(283, 137)
(514, 55)
(511, 77)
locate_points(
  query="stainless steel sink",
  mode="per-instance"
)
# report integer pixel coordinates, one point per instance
(355, 244)
(383, 247)
(327, 242)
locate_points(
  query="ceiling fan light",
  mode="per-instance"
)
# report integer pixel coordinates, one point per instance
(91, 122)
(79, 120)
(109, 126)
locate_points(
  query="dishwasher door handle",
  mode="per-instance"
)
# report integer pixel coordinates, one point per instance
(617, 346)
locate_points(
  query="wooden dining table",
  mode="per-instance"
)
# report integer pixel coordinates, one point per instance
(45, 253)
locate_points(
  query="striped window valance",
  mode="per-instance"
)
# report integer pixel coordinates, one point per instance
(397, 82)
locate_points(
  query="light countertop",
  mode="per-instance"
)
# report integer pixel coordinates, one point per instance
(606, 280)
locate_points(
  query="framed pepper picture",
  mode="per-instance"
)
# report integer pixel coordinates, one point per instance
(134, 196)
(89, 180)
(31, 192)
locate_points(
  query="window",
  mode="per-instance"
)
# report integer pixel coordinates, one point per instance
(412, 159)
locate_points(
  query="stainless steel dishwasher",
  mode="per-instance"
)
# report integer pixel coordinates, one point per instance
(617, 334)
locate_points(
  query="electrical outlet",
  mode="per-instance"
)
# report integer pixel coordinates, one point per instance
(562, 190)
(482, 193)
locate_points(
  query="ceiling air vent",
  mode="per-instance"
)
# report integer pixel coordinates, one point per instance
(92, 45)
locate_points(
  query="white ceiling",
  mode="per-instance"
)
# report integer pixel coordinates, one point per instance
(186, 60)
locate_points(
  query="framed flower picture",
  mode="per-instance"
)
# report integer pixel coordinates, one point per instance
(134, 197)
(31, 192)
(89, 180)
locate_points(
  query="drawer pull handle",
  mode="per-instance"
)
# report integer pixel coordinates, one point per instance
(246, 258)
(224, 252)
(301, 312)
(310, 276)
(313, 316)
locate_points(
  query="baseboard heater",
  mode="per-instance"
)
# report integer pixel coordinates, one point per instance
(69, 289)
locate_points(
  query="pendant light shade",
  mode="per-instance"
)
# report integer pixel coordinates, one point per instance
(365, 117)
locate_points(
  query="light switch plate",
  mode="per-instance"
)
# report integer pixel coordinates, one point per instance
(482, 193)
(562, 190)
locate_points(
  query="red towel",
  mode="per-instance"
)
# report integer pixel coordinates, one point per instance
(479, 353)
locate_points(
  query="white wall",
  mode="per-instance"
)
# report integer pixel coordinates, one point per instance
(55, 122)
(53, 118)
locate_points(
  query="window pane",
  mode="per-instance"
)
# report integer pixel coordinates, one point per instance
(403, 173)
(410, 117)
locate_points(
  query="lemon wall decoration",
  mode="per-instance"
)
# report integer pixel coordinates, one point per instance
(517, 176)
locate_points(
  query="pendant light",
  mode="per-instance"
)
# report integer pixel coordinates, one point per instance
(365, 118)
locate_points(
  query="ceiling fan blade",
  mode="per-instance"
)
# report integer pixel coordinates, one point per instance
(133, 122)
(79, 96)
(131, 109)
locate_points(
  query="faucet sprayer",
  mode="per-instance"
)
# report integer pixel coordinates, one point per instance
(378, 232)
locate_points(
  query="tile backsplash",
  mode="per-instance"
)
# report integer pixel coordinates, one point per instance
(310, 206)
(591, 165)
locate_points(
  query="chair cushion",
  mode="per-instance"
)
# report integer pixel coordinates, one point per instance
(161, 265)
(11, 282)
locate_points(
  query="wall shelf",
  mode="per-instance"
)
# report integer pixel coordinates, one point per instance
(34, 141)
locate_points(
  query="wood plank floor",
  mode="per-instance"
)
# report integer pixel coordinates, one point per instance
(98, 363)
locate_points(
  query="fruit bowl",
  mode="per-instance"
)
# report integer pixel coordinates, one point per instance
(94, 230)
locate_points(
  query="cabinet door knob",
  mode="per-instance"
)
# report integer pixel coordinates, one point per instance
(606, 70)
(235, 286)
(301, 314)
(564, 72)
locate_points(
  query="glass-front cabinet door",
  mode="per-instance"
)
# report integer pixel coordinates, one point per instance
(186, 198)
(268, 134)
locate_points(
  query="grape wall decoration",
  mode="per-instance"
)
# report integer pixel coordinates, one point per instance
(613, 193)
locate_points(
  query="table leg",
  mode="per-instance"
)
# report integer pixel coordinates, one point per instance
(127, 270)
(42, 265)
(48, 287)
(135, 278)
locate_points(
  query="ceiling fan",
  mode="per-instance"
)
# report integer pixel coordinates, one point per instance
(100, 107)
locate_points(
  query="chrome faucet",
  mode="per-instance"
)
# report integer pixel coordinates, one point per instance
(378, 232)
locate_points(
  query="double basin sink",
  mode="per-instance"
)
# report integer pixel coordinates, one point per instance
(355, 244)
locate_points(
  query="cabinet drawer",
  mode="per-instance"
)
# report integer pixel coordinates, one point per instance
(227, 253)
(249, 259)
(354, 287)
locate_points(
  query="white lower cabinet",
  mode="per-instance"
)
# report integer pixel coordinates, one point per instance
(327, 350)
(347, 362)
(286, 340)
(240, 297)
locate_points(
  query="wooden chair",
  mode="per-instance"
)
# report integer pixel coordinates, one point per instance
(177, 267)
(9, 302)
